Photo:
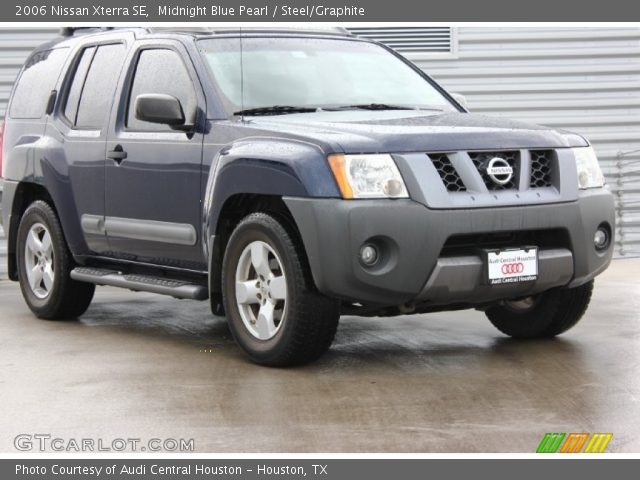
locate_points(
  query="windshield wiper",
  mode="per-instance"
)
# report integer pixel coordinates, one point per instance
(275, 110)
(285, 109)
(379, 106)
(385, 106)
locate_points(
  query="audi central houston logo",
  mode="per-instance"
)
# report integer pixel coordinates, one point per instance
(511, 268)
(499, 170)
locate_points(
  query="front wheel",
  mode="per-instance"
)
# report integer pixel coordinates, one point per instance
(542, 316)
(44, 264)
(274, 313)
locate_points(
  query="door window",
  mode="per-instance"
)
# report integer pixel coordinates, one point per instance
(93, 86)
(160, 71)
(75, 91)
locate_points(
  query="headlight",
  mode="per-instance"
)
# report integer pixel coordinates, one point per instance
(589, 173)
(367, 176)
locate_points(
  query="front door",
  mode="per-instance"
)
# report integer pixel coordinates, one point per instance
(153, 172)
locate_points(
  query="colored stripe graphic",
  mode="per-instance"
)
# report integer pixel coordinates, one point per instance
(550, 443)
(574, 443)
(598, 442)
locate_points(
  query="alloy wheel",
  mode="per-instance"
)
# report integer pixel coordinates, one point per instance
(261, 290)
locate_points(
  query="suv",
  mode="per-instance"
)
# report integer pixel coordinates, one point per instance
(289, 177)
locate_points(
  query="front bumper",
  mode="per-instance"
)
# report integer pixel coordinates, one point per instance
(414, 268)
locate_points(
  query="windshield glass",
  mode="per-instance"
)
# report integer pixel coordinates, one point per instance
(314, 73)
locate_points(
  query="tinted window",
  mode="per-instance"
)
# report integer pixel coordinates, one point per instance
(73, 97)
(160, 71)
(99, 86)
(36, 82)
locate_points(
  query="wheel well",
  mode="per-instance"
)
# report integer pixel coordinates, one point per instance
(233, 211)
(25, 195)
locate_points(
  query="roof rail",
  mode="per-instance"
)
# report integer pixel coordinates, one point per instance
(71, 31)
(253, 29)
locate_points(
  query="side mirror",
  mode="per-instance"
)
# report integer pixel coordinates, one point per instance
(461, 99)
(160, 108)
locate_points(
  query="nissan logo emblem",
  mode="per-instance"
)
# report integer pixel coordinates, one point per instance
(499, 170)
(511, 268)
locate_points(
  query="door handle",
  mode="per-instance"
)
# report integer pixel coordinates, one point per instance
(117, 154)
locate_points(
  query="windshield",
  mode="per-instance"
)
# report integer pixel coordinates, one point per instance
(315, 73)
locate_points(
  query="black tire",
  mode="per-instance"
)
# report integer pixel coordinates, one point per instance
(67, 298)
(311, 318)
(552, 313)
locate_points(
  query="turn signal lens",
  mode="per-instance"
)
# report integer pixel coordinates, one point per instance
(338, 167)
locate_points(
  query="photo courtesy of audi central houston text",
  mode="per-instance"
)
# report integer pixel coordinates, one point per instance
(436, 219)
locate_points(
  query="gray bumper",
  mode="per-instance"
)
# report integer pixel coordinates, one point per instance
(414, 267)
(9, 226)
(7, 192)
(1, 205)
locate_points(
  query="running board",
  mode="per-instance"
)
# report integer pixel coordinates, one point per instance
(141, 283)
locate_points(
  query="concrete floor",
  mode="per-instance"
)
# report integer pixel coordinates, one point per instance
(135, 367)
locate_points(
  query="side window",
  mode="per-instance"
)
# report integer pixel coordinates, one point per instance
(99, 86)
(38, 79)
(160, 71)
(80, 75)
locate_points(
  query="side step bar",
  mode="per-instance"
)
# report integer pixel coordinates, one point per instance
(141, 283)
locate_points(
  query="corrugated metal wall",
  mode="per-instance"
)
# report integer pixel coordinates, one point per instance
(581, 79)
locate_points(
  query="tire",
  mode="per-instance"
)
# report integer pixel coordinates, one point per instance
(292, 323)
(56, 296)
(543, 316)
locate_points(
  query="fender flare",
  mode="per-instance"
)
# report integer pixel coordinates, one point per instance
(265, 166)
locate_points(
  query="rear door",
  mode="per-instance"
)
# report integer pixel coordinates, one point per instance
(153, 192)
(81, 122)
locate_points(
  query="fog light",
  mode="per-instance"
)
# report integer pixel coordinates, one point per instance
(601, 239)
(368, 255)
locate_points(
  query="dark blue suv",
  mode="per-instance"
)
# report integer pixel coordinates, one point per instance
(289, 177)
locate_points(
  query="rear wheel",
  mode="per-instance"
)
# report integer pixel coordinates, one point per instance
(44, 264)
(274, 313)
(545, 315)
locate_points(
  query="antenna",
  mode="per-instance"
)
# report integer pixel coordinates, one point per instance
(241, 80)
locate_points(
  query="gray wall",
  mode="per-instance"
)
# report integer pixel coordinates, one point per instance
(581, 79)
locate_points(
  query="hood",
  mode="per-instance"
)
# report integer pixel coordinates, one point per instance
(364, 131)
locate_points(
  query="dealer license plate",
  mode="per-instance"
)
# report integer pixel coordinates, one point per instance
(512, 266)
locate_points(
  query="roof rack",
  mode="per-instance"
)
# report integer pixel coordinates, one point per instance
(250, 29)
(71, 31)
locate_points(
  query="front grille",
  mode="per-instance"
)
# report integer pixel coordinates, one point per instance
(541, 168)
(469, 172)
(447, 172)
(482, 159)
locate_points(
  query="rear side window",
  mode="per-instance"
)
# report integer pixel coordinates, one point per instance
(93, 86)
(38, 79)
(160, 71)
